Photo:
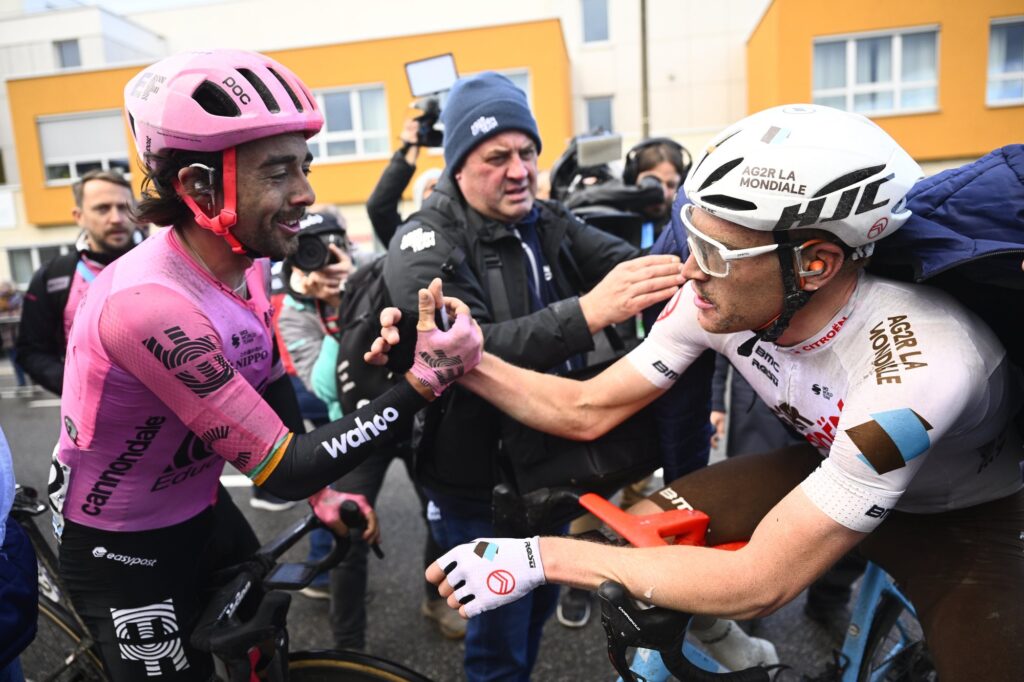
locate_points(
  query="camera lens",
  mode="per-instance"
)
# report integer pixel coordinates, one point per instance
(311, 254)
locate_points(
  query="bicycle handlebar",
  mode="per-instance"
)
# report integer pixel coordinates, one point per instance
(245, 611)
(660, 629)
(657, 628)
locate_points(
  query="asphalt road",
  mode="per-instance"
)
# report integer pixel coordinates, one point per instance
(396, 629)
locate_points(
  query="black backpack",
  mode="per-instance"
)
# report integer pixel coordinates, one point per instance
(366, 294)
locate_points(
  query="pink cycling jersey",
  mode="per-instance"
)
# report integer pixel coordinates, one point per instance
(163, 381)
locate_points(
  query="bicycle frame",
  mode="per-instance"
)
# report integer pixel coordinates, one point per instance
(688, 527)
(873, 586)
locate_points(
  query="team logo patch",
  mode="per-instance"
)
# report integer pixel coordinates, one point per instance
(891, 439)
(150, 634)
(418, 240)
(501, 582)
(206, 369)
(486, 550)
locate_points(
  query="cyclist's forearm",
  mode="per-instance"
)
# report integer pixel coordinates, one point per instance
(305, 463)
(692, 579)
(542, 401)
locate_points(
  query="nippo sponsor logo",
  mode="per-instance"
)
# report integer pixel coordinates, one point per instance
(501, 582)
(360, 433)
(101, 553)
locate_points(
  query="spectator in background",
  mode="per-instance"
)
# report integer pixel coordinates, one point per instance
(382, 206)
(300, 307)
(662, 161)
(103, 209)
(10, 315)
(484, 207)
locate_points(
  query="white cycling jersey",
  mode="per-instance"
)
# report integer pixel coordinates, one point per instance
(907, 394)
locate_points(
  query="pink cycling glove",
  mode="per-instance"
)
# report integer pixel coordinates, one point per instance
(441, 357)
(326, 504)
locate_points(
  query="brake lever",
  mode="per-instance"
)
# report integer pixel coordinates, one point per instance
(626, 625)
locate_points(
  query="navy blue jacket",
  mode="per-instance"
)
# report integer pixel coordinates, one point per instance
(966, 236)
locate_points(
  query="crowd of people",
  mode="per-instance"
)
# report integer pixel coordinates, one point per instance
(875, 418)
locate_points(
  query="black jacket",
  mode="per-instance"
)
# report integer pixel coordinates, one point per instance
(41, 342)
(382, 206)
(459, 455)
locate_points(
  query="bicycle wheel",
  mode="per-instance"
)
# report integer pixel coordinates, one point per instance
(895, 650)
(347, 666)
(58, 653)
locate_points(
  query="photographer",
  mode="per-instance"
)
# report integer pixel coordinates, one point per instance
(382, 206)
(657, 161)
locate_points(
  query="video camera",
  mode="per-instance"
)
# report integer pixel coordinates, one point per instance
(427, 79)
(318, 230)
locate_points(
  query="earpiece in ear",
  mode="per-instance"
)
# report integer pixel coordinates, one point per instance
(816, 267)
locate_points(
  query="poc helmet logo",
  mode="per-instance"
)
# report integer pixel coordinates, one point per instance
(99, 552)
(236, 89)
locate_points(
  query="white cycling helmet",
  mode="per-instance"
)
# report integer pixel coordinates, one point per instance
(806, 166)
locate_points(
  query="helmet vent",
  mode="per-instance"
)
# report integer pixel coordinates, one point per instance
(720, 172)
(287, 88)
(261, 89)
(215, 101)
(131, 123)
(729, 203)
(849, 179)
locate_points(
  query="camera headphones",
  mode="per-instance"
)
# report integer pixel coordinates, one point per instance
(631, 169)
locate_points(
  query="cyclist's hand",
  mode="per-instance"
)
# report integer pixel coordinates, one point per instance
(442, 356)
(326, 505)
(629, 288)
(488, 573)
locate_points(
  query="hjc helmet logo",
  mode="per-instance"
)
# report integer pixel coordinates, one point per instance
(236, 89)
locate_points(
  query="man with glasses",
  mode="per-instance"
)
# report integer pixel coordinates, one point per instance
(906, 399)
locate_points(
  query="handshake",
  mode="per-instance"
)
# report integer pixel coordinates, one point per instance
(439, 356)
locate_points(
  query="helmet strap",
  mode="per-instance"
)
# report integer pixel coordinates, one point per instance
(793, 298)
(221, 223)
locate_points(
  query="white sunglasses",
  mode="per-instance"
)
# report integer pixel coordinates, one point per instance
(713, 257)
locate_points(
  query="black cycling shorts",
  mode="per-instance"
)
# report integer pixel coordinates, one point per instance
(140, 593)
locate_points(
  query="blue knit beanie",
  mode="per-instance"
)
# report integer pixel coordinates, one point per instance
(479, 108)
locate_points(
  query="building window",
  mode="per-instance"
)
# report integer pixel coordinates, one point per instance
(25, 261)
(878, 74)
(1006, 62)
(355, 124)
(68, 55)
(75, 145)
(599, 114)
(595, 20)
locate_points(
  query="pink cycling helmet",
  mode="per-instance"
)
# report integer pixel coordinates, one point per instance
(210, 101)
(214, 101)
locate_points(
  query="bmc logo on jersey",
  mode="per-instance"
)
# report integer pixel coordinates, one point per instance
(360, 433)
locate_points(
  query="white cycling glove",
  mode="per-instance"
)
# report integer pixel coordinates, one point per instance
(491, 572)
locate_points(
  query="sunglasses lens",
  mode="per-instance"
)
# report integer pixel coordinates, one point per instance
(709, 258)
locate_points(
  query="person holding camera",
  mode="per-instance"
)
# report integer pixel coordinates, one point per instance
(382, 206)
(657, 161)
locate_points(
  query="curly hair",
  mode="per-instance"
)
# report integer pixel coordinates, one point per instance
(160, 204)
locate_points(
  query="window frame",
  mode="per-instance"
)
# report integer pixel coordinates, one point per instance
(358, 135)
(895, 85)
(34, 258)
(607, 24)
(1016, 75)
(59, 53)
(72, 160)
(611, 110)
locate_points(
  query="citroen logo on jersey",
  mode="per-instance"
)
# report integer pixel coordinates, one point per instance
(207, 369)
(150, 634)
